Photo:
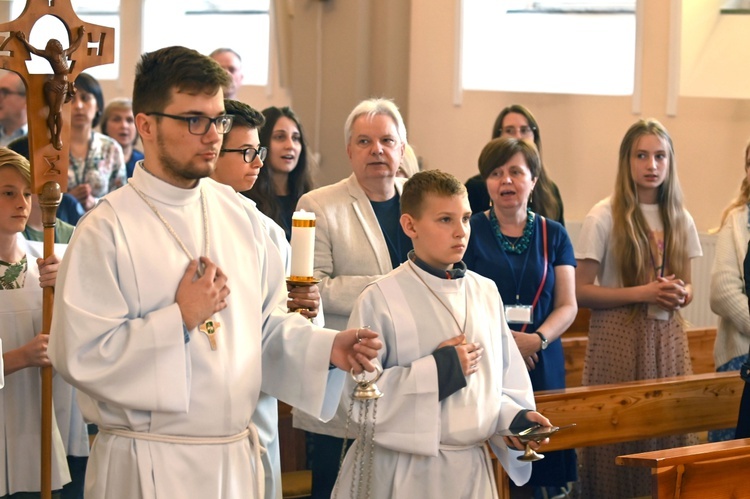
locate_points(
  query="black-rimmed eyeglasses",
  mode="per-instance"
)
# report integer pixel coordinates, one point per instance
(199, 125)
(249, 154)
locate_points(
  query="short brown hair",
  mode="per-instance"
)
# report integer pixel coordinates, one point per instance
(179, 68)
(428, 182)
(244, 116)
(499, 151)
(15, 160)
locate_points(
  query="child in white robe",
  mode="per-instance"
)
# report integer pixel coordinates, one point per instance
(24, 347)
(453, 377)
(241, 144)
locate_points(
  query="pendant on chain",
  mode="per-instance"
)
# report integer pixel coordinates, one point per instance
(210, 329)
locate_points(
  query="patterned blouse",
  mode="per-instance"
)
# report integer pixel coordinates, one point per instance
(104, 168)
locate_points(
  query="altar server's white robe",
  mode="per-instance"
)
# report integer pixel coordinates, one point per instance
(73, 430)
(20, 399)
(118, 337)
(427, 448)
(266, 415)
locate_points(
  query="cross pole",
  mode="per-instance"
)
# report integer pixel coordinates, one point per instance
(48, 111)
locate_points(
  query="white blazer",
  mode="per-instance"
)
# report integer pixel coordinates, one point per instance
(350, 253)
(350, 249)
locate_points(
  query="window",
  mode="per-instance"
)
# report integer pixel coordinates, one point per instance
(102, 12)
(736, 7)
(714, 49)
(549, 46)
(205, 25)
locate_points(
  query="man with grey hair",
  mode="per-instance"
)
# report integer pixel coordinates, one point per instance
(12, 108)
(231, 62)
(358, 238)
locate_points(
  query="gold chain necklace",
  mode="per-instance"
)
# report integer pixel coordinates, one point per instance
(171, 230)
(466, 297)
(209, 327)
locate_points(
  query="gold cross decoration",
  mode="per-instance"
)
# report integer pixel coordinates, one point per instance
(210, 329)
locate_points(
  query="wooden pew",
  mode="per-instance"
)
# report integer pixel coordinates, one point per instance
(296, 480)
(637, 410)
(698, 472)
(700, 343)
(580, 324)
(642, 409)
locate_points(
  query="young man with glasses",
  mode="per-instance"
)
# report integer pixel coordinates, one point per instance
(167, 360)
(12, 108)
(240, 160)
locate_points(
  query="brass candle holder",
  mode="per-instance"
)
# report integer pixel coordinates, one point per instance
(297, 281)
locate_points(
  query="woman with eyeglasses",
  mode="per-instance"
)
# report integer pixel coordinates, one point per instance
(118, 122)
(287, 174)
(97, 164)
(517, 121)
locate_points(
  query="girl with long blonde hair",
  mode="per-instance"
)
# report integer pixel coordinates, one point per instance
(633, 271)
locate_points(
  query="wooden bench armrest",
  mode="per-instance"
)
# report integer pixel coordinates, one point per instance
(684, 455)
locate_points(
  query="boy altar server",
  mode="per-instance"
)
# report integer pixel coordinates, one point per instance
(240, 159)
(453, 376)
(169, 364)
(25, 348)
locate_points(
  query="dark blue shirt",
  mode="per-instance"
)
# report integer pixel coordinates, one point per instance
(485, 256)
(388, 214)
(134, 158)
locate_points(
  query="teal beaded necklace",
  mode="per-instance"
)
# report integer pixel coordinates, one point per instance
(523, 242)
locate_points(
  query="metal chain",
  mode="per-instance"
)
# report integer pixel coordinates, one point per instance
(371, 459)
(364, 449)
(343, 447)
(357, 458)
(171, 230)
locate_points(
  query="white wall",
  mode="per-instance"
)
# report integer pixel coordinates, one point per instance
(581, 134)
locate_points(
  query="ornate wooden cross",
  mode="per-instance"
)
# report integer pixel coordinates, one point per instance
(89, 45)
(48, 111)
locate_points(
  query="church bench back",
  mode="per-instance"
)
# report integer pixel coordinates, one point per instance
(708, 470)
(700, 343)
(641, 409)
(637, 410)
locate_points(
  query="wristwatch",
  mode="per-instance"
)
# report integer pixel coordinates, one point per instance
(544, 340)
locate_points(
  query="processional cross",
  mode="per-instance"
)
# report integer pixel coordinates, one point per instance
(48, 111)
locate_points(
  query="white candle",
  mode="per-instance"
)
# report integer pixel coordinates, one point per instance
(303, 245)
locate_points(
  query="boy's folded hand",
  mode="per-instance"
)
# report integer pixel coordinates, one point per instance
(468, 353)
